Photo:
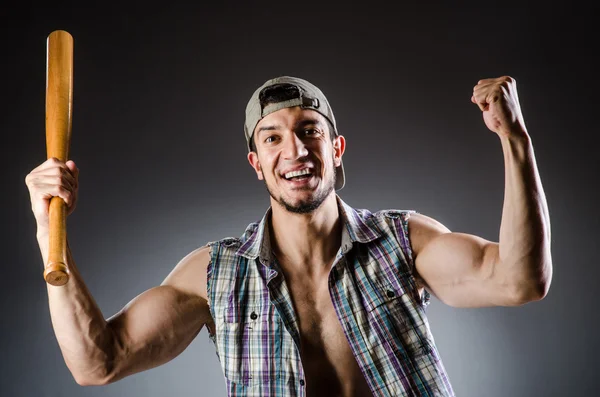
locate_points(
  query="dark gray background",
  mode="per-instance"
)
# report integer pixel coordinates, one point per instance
(157, 133)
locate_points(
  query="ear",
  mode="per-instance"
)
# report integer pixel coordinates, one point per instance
(253, 160)
(339, 146)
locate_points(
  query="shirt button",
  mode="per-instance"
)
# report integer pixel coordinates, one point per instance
(301, 382)
(253, 316)
(390, 294)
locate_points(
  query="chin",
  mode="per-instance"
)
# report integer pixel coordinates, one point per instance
(302, 200)
(301, 206)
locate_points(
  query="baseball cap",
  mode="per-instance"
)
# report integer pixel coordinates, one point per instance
(309, 97)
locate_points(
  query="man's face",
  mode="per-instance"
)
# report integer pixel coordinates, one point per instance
(296, 157)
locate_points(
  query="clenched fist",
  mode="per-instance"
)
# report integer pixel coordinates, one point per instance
(49, 179)
(499, 102)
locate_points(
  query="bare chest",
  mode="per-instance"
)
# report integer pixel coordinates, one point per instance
(329, 365)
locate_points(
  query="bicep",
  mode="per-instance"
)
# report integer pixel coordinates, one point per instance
(160, 323)
(458, 268)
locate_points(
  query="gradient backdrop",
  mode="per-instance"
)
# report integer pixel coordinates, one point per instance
(159, 101)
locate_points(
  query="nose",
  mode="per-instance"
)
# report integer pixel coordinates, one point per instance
(294, 148)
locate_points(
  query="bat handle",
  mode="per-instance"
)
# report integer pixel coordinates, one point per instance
(56, 271)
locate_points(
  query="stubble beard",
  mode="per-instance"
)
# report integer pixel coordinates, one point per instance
(306, 207)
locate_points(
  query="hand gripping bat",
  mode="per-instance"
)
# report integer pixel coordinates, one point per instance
(59, 111)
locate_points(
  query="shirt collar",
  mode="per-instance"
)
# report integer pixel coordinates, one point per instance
(360, 227)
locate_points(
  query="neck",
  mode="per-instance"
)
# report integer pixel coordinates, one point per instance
(306, 242)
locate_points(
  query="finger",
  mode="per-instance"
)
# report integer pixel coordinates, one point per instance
(47, 191)
(72, 167)
(481, 84)
(52, 162)
(483, 87)
(480, 94)
(480, 100)
(54, 165)
(58, 175)
(492, 80)
(74, 171)
(485, 81)
(478, 103)
(47, 183)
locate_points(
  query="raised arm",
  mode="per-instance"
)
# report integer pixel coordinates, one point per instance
(150, 330)
(468, 271)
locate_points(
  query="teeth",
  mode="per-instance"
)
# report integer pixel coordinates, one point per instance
(292, 174)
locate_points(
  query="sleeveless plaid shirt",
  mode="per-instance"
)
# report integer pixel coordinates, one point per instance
(373, 291)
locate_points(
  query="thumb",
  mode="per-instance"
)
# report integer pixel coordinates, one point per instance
(482, 106)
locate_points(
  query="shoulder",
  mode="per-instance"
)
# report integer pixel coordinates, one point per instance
(390, 219)
(234, 242)
(386, 216)
(422, 229)
(189, 275)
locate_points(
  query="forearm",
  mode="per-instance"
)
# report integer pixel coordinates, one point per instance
(524, 243)
(82, 333)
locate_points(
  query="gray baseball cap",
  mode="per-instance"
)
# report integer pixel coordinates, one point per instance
(310, 97)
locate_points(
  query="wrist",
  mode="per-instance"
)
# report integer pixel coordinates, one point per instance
(515, 137)
(43, 244)
(517, 146)
(514, 133)
(42, 233)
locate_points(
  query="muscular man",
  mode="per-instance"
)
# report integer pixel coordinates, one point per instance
(318, 298)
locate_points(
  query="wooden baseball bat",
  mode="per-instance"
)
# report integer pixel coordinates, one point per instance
(59, 111)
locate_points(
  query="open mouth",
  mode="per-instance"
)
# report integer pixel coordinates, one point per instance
(298, 176)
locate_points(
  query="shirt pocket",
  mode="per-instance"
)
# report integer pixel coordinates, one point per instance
(250, 345)
(399, 322)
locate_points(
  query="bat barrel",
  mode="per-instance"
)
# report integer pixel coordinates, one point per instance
(59, 111)
(59, 94)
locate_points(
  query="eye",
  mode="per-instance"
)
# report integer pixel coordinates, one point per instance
(270, 139)
(311, 131)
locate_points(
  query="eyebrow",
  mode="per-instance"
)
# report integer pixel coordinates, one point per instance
(299, 124)
(268, 128)
(306, 122)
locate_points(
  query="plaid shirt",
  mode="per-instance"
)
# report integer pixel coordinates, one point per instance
(374, 294)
